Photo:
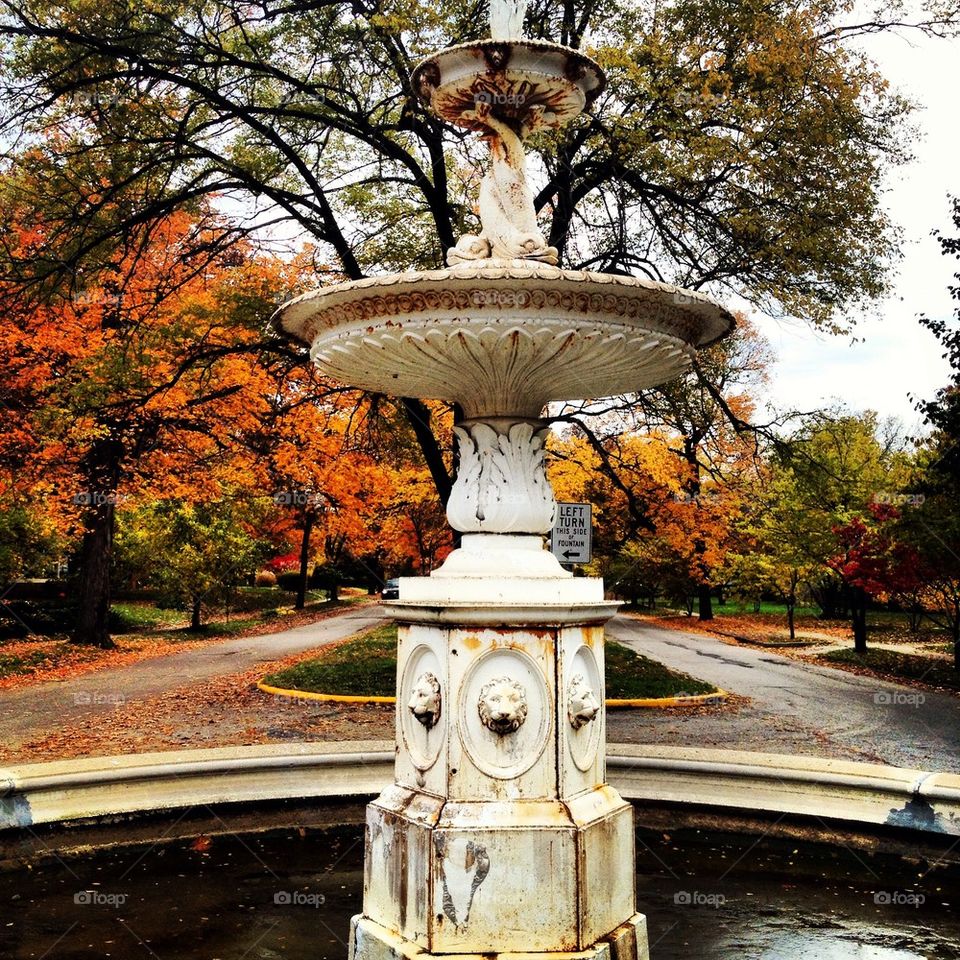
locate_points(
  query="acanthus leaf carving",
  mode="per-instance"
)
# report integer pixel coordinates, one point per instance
(501, 485)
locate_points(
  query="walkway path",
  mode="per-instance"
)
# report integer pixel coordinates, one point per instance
(795, 707)
(29, 712)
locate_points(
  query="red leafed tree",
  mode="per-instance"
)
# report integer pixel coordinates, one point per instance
(872, 564)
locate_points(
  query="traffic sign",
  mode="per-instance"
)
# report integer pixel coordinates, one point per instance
(571, 537)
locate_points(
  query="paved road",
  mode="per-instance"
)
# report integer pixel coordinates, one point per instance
(27, 713)
(795, 708)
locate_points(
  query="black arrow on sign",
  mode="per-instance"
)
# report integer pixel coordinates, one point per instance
(571, 553)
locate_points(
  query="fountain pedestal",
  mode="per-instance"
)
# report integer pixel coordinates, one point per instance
(500, 834)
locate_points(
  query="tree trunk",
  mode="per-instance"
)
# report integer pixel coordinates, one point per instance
(418, 414)
(195, 614)
(705, 601)
(93, 586)
(828, 596)
(792, 602)
(956, 634)
(308, 520)
(858, 608)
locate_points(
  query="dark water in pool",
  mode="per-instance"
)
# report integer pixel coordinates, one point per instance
(291, 894)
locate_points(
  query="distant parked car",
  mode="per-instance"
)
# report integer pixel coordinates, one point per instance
(391, 590)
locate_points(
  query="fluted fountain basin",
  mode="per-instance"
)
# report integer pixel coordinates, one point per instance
(502, 338)
(513, 76)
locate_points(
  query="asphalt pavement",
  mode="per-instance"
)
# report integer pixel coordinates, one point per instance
(794, 707)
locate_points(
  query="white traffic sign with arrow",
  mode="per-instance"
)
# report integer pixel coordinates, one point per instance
(571, 537)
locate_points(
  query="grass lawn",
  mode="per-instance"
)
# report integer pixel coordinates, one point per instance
(138, 617)
(738, 607)
(29, 657)
(769, 627)
(366, 666)
(901, 666)
(27, 661)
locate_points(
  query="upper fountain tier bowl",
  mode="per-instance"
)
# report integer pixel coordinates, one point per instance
(513, 77)
(502, 338)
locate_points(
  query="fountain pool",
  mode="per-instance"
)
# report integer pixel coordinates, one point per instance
(217, 887)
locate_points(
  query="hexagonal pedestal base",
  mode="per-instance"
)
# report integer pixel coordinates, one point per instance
(540, 876)
(370, 941)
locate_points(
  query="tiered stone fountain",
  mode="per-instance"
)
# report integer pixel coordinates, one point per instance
(500, 834)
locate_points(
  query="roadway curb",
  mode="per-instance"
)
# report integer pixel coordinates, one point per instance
(326, 697)
(854, 796)
(691, 701)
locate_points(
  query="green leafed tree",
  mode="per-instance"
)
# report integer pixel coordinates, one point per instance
(830, 474)
(193, 552)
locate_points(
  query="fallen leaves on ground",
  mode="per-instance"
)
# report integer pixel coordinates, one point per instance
(65, 661)
(761, 628)
(220, 712)
(757, 629)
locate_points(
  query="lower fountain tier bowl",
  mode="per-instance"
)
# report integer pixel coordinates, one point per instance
(512, 77)
(502, 338)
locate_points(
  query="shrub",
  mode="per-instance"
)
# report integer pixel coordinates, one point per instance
(266, 578)
(289, 580)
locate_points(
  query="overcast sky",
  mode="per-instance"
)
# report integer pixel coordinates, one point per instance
(897, 356)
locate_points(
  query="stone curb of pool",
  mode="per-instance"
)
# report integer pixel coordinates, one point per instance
(842, 795)
(694, 700)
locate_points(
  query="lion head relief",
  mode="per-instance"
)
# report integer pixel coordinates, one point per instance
(424, 702)
(502, 705)
(582, 703)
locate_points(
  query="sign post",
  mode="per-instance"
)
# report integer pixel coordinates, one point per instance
(571, 538)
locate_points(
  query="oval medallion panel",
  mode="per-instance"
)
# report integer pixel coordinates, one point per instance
(422, 707)
(583, 707)
(504, 712)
